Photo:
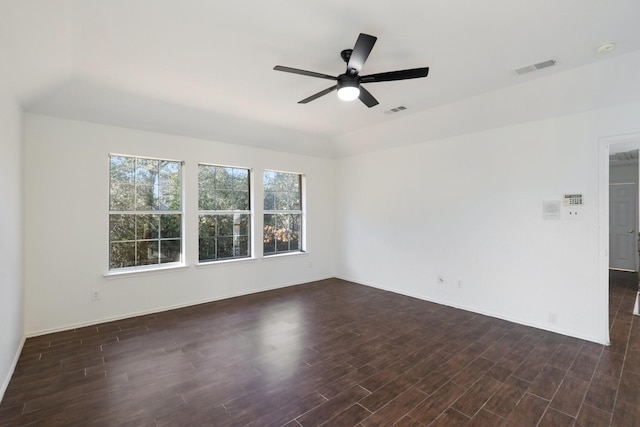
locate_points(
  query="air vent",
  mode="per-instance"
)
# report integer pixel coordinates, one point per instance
(396, 110)
(535, 67)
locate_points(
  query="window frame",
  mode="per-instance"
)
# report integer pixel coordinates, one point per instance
(142, 268)
(301, 212)
(221, 212)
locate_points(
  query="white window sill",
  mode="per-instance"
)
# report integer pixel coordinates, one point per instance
(225, 262)
(285, 255)
(123, 273)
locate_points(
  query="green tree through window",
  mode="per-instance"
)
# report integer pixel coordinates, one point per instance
(224, 213)
(145, 211)
(282, 212)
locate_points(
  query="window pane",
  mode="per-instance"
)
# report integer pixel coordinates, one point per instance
(268, 179)
(269, 246)
(207, 226)
(224, 178)
(282, 233)
(287, 201)
(206, 199)
(242, 224)
(170, 226)
(294, 243)
(206, 186)
(294, 234)
(243, 246)
(281, 224)
(281, 191)
(146, 197)
(122, 227)
(241, 179)
(225, 225)
(223, 200)
(241, 200)
(170, 186)
(147, 252)
(147, 226)
(293, 200)
(122, 255)
(269, 200)
(294, 222)
(122, 169)
(207, 249)
(122, 196)
(147, 171)
(225, 247)
(270, 221)
(170, 250)
(269, 238)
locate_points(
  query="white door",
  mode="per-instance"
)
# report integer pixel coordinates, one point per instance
(622, 228)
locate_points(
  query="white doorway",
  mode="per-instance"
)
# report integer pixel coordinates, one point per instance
(623, 210)
(608, 146)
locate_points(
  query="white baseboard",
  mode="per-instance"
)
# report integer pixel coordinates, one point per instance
(5, 383)
(68, 327)
(484, 313)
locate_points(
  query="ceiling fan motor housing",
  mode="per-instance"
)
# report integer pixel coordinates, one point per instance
(348, 81)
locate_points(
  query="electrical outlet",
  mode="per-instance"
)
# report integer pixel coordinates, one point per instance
(553, 318)
(95, 294)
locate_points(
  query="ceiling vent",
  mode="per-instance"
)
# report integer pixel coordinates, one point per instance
(535, 67)
(396, 110)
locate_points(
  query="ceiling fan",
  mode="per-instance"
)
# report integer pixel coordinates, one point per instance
(349, 84)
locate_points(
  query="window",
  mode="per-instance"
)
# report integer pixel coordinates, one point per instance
(224, 213)
(282, 212)
(145, 212)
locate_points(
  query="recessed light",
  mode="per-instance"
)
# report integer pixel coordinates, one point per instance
(605, 47)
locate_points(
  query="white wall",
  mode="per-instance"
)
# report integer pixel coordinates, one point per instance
(11, 225)
(66, 238)
(33, 54)
(469, 208)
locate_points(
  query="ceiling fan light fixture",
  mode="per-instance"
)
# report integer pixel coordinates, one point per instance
(348, 88)
(348, 93)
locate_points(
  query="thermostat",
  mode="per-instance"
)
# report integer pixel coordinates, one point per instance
(572, 200)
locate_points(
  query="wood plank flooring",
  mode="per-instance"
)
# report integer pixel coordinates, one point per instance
(328, 353)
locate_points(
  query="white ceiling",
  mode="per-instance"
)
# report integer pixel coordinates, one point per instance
(204, 68)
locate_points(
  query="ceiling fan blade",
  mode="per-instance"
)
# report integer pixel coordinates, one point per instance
(318, 95)
(413, 73)
(361, 52)
(304, 72)
(366, 98)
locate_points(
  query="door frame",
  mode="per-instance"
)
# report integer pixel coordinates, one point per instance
(624, 142)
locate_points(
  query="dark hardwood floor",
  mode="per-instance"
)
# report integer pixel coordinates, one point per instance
(333, 353)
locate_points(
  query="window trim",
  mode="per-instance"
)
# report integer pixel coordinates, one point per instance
(148, 268)
(303, 215)
(250, 212)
